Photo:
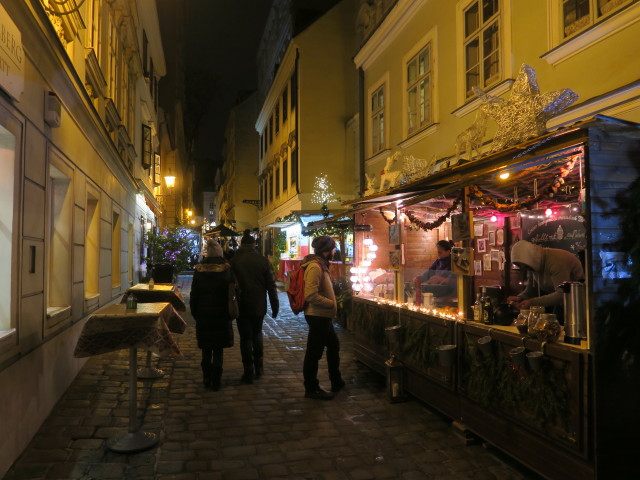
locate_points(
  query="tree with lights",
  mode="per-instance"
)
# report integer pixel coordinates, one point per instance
(323, 194)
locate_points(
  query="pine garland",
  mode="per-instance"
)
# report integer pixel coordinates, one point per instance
(426, 226)
(549, 192)
(390, 222)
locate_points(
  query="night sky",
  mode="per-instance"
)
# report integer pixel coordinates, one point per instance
(223, 37)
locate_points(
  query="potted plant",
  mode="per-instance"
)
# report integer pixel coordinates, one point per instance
(168, 253)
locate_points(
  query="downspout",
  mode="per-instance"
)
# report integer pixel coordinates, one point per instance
(295, 72)
(361, 126)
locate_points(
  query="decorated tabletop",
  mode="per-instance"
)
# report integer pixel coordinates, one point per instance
(161, 292)
(114, 327)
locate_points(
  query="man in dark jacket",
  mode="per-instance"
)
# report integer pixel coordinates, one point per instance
(255, 277)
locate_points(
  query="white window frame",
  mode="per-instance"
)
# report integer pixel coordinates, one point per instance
(505, 68)
(429, 40)
(382, 82)
(561, 48)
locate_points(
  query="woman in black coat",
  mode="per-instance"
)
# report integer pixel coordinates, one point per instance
(209, 302)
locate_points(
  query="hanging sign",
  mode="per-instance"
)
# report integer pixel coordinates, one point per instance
(11, 56)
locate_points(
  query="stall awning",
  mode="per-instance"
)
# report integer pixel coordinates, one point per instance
(222, 231)
(281, 224)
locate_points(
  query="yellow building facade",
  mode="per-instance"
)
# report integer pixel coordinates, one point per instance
(307, 122)
(421, 62)
(79, 132)
(239, 171)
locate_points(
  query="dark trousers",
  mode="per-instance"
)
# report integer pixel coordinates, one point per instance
(321, 335)
(251, 345)
(211, 364)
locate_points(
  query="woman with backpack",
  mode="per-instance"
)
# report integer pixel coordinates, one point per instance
(209, 302)
(319, 312)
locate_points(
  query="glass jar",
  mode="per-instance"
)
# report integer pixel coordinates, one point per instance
(521, 321)
(547, 328)
(534, 315)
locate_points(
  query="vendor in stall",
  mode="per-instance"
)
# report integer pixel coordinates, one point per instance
(545, 269)
(438, 279)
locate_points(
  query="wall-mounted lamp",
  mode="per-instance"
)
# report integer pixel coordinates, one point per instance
(189, 213)
(170, 180)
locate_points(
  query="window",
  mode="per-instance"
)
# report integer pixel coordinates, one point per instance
(285, 106)
(115, 250)
(277, 182)
(377, 120)
(419, 90)
(92, 247)
(294, 166)
(294, 90)
(113, 59)
(145, 54)
(7, 200)
(156, 170)
(277, 115)
(93, 26)
(60, 238)
(270, 129)
(147, 154)
(481, 23)
(577, 15)
(130, 254)
(285, 175)
(270, 188)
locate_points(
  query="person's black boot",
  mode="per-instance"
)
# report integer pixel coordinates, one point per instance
(318, 394)
(247, 376)
(337, 385)
(258, 368)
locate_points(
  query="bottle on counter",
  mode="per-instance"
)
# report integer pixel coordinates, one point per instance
(132, 302)
(152, 283)
(534, 315)
(487, 308)
(477, 309)
(521, 322)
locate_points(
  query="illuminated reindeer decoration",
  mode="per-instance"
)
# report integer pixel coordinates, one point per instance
(470, 140)
(389, 176)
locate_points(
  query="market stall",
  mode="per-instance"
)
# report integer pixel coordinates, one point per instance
(533, 381)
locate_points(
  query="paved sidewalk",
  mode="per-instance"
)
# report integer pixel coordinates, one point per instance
(267, 430)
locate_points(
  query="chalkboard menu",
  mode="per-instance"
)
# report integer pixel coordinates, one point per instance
(561, 228)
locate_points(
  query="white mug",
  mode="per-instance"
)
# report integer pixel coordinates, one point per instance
(427, 299)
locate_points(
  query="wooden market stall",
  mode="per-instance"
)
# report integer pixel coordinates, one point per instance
(568, 411)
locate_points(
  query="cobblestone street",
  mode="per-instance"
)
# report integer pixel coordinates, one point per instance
(259, 431)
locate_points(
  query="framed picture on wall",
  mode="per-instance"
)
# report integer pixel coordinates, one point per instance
(481, 245)
(486, 262)
(477, 268)
(492, 238)
(395, 259)
(515, 221)
(394, 234)
(478, 230)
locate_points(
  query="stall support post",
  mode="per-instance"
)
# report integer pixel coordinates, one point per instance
(465, 297)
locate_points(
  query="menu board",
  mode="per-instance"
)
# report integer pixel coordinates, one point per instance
(563, 228)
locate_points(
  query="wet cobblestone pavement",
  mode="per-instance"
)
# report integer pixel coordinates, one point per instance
(261, 431)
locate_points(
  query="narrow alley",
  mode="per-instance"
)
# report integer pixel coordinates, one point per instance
(261, 431)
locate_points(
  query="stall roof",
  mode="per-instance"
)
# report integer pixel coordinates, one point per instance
(466, 173)
(222, 231)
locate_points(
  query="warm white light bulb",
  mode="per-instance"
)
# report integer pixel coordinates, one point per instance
(548, 212)
(367, 241)
(371, 255)
(494, 219)
(366, 279)
(354, 270)
(357, 287)
(354, 279)
(373, 248)
(366, 263)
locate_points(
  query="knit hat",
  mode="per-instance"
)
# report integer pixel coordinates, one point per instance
(247, 239)
(213, 248)
(323, 244)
